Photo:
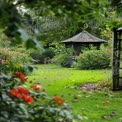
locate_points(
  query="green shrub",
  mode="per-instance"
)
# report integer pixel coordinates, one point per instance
(64, 60)
(48, 53)
(11, 61)
(36, 55)
(94, 59)
(43, 57)
(64, 57)
(67, 61)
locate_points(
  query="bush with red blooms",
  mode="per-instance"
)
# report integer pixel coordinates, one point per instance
(19, 103)
(21, 93)
(20, 75)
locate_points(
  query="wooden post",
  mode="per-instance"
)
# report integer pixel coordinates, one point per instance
(117, 34)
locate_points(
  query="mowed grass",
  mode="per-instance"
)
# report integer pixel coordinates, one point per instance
(97, 106)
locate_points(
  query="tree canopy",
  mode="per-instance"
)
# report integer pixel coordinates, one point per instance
(66, 17)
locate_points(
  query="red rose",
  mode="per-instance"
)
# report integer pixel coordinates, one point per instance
(22, 90)
(58, 100)
(20, 75)
(15, 93)
(28, 99)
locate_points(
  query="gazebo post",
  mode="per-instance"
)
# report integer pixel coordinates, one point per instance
(98, 46)
(77, 48)
(89, 46)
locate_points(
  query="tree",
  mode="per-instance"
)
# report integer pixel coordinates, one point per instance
(89, 14)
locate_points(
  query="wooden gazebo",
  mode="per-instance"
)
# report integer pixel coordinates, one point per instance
(80, 39)
(117, 59)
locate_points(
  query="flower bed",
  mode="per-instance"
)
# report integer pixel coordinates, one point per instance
(21, 103)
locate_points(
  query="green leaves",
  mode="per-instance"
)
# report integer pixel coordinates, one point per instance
(30, 44)
(94, 59)
(93, 13)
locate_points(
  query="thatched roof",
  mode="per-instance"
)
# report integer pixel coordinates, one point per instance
(84, 37)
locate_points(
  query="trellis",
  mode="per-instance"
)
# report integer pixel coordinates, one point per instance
(117, 59)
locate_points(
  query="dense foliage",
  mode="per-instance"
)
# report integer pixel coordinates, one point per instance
(64, 57)
(63, 60)
(43, 57)
(73, 17)
(67, 61)
(94, 59)
(11, 60)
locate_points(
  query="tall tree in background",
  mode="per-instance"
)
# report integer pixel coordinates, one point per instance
(79, 15)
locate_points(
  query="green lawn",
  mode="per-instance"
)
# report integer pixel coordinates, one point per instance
(98, 106)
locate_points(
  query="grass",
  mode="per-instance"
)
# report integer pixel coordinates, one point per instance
(98, 106)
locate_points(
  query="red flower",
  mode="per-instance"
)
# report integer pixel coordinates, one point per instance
(22, 90)
(20, 75)
(23, 78)
(35, 87)
(15, 93)
(27, 99)
(58, 100)
(23, 96)
(22, 93)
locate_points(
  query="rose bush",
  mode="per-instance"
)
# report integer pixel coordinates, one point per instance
(19, 103)
(11, 61)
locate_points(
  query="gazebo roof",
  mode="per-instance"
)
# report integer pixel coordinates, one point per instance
(83, 37)
(119, 28)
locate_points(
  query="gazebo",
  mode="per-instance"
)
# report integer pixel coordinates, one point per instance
(80, 39)
(117, 59)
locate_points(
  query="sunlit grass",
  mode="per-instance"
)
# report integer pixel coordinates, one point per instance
(97, 106)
